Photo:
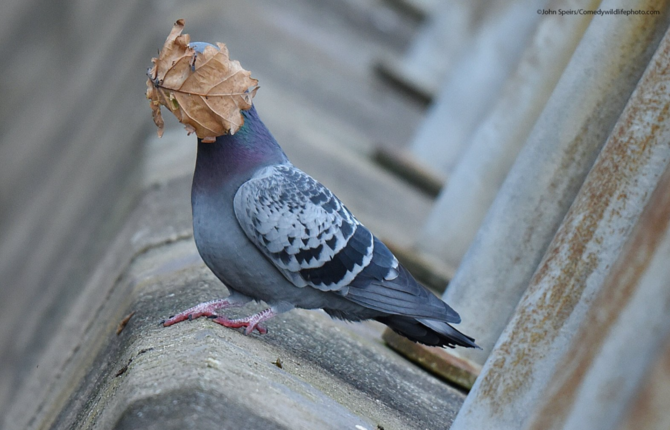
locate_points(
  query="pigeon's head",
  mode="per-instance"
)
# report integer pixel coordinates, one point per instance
(204, 89)
(199, 47)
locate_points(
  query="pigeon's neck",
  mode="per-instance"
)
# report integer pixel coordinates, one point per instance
(234, 158)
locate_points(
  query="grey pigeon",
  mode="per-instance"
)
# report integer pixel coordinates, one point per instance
(271, 232)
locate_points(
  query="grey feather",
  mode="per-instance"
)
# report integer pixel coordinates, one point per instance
(271, 232)
(305, 230)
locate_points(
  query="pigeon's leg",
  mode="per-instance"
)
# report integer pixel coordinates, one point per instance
(234, 300)
(253, 322)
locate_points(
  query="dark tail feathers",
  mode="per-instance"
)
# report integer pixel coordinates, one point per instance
(428, 332)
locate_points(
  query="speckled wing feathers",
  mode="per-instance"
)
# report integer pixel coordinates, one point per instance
(299, 224)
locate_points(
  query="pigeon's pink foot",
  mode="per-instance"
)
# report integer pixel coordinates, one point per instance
(251, 323)
(206, 309)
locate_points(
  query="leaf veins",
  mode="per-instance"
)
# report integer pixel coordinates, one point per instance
(206, 91)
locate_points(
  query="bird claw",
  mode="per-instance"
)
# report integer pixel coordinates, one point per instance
(259, 327)
(182, 316)
(248, 323)
(207, 309)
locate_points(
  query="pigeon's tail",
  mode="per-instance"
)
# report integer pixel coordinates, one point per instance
(428, 332)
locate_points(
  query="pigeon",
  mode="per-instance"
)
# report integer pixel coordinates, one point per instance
(272, 233)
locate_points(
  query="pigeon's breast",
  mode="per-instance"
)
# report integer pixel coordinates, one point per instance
(235, 260)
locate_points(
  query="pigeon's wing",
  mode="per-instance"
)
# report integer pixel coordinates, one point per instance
(309, 235)
(313, 239)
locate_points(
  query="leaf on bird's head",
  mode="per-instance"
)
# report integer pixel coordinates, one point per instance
(205, 90)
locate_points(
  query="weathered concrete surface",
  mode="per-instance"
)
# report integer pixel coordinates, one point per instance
(493, 147)
(436, 47)
(70, 138)
(649, 408)
(474, 83)
(333, 375)
(417, 9)
(550, 169)
(561, 296)
(617, 315)
(318, 56)
(597, 379)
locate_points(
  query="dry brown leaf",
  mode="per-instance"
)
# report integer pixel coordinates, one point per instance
(124, 323)
(205, 91)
